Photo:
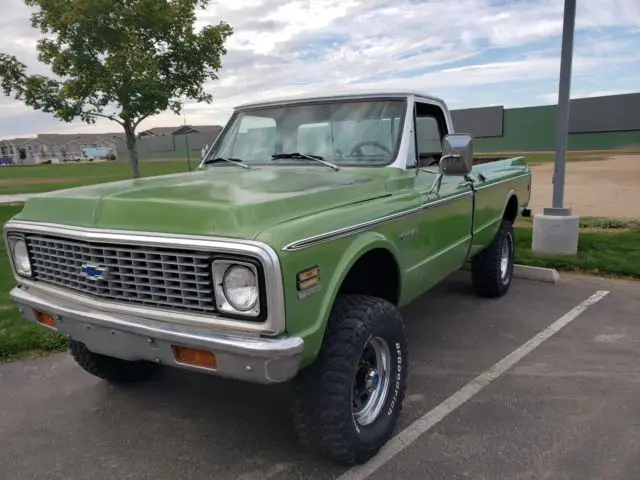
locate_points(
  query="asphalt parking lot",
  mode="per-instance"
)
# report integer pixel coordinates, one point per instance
(570, 409)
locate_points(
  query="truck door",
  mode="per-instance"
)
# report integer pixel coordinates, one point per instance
(445, 223)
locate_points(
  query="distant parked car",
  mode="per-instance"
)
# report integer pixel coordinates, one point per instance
(93, 153)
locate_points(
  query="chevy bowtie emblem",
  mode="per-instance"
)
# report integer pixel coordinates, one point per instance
(94, 272)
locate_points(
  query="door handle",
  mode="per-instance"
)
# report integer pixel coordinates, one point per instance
(471, 180)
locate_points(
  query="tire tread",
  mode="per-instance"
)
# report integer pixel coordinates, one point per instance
(111, 369)
(485, 267)
(325, 382)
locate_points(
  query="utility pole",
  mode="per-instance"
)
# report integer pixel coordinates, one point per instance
(555, 231)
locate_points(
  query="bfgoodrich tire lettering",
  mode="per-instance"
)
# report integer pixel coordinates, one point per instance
(492, 269)
(323, 409)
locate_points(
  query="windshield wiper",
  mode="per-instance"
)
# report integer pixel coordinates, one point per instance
(317, 158)
(235, 161)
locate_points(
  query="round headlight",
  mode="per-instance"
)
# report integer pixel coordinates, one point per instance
(240, 287)
(21, 258)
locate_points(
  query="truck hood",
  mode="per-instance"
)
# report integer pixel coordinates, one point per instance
(225, 201)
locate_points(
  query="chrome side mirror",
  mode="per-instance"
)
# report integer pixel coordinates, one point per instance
(457, 154)
(457, 159)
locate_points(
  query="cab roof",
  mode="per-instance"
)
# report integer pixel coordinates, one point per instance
(340, 95)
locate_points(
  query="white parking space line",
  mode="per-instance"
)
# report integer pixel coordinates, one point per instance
(433, 417)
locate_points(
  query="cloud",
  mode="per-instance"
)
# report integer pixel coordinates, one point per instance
(470, 52)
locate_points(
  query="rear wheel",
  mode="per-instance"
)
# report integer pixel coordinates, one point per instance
(112, 369)
(347, 403)
(492, 269)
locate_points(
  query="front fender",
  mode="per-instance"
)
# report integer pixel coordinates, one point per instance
(352, 252)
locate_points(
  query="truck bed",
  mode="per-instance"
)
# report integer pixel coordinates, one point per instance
(482, 160)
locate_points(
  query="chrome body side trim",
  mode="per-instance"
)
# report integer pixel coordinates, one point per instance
(444, 251)
(258, 360)
(350, 230)
(346, 231)
(274, 323)
(487, 224)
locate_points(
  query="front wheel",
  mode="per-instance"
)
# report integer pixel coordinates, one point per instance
(492, 269)
(348, 402)
(113, 370)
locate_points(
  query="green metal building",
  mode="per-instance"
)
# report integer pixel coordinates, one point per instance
(599, 123)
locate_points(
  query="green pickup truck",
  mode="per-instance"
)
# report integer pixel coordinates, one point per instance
(285, 256)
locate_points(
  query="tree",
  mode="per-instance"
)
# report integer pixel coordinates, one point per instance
(124, 60)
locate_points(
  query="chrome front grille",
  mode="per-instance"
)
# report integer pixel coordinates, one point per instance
(166, 278)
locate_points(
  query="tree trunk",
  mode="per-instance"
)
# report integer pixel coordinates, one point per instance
(130, 136)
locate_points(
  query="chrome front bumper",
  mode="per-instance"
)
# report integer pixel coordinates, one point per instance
(252, 359)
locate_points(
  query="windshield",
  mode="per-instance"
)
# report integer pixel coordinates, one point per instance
(361, 132)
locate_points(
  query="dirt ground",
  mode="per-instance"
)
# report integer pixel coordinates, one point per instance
(605, 188)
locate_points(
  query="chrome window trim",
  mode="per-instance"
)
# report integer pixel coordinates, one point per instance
(274, 324)
(404, 142)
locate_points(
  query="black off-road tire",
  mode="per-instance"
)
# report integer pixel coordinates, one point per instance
(113, 370)
(487, 276)
(322, 407)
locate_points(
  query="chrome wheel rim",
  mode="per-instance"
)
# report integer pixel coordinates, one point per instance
(505, 258)
(371, 382)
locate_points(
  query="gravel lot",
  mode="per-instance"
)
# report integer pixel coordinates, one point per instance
(600, 188)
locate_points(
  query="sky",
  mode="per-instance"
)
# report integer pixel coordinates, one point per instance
(471, 53)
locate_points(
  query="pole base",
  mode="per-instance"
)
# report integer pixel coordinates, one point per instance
(556, 211)
(555, 234)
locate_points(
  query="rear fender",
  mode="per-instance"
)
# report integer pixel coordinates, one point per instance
(511, 193)
(493, 229)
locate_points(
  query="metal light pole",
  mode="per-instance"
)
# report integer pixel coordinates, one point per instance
(555, 231)
(562, 119)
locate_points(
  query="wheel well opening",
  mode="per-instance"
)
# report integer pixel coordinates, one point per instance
(376, 274)
(511, 212)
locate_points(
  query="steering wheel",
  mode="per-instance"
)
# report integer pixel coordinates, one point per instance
(430, 160)
(357, 149)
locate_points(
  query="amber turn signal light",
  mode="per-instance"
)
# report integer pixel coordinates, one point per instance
(46, 319)
(195, 357)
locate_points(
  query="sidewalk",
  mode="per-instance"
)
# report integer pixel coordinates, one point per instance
(6, 199)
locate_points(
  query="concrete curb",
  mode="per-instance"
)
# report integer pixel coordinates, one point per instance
(540, 274)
